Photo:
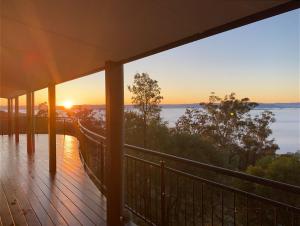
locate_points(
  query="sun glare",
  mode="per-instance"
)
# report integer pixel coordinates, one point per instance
(68, 104)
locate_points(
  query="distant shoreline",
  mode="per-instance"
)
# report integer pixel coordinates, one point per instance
(261, 106)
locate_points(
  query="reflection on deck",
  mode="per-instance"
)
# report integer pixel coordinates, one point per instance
(29, 195)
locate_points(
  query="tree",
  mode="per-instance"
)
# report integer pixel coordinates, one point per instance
(146, 99)
(228, 124)
(85, 114)
(284, 168)
(42, 110)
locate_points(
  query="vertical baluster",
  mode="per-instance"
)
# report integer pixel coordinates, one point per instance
(234, 208)
(135, 187)
(170, 214)
(193, 200)
(140, 176)
(202, 203)
(139, 185)
(131, 183)
(247, 212)
(145, 189)
(222, 207)
(162, 192)
(156, 182)
(150, 181)
(185, 203)
(212, 206)
(177, 198)
(102, 167)
(261, 214)
(275, 216)
(97, 164)
(128, 181)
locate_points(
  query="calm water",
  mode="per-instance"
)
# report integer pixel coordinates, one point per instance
(286, 129)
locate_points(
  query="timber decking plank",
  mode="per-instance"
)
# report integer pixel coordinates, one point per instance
(28, 191)
(51, 200)
(68, 198)
(5, 213)
(61, 189)
(85, 209)
(31, 217)
(15, 210)
(87, 206)
(76, 188)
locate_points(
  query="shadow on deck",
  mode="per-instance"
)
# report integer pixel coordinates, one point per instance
(29, 195)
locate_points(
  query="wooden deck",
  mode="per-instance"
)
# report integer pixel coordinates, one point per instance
(29, 195)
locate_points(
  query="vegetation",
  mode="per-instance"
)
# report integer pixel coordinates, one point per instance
(228, 124)
(42, 110)
(220, 132)
(146, 98)
(285, 168)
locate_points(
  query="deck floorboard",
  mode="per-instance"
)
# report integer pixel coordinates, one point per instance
(30, 195)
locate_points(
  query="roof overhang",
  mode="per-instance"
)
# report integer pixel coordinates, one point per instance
(43, 42)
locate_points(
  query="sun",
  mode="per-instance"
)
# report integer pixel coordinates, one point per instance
(68, 104)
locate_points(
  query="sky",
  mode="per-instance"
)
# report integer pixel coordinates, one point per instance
(259, 61)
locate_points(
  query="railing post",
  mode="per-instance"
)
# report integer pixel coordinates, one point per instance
(102, 163)
(52, 128)
(162, 193)
(114, 86)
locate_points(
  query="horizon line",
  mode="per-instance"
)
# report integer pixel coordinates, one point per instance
(167, 104)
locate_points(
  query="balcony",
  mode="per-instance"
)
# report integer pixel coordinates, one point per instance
(159, 189)
(46, 43)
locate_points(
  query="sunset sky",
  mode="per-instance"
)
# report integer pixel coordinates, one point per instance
(259, 61)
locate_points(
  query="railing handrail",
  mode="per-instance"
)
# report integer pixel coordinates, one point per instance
(211, 182)
(217, 169)
(89, 131)
(241, 175)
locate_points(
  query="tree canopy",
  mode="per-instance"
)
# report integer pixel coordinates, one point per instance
(146, 97)
(228, 124)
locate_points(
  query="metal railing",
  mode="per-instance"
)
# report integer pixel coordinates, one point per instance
(163, 189)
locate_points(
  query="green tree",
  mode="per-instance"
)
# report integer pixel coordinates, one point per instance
(228, 124)
(146, 99)
(284, 168)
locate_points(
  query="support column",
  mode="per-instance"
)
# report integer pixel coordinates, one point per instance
(52, 128)
(32, 122)
(29, 121)
(17, 131)
(9, 116)
(115, 141)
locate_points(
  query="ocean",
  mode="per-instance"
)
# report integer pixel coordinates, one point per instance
(286, 129)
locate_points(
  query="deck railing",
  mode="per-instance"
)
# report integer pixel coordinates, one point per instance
(163, 189)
